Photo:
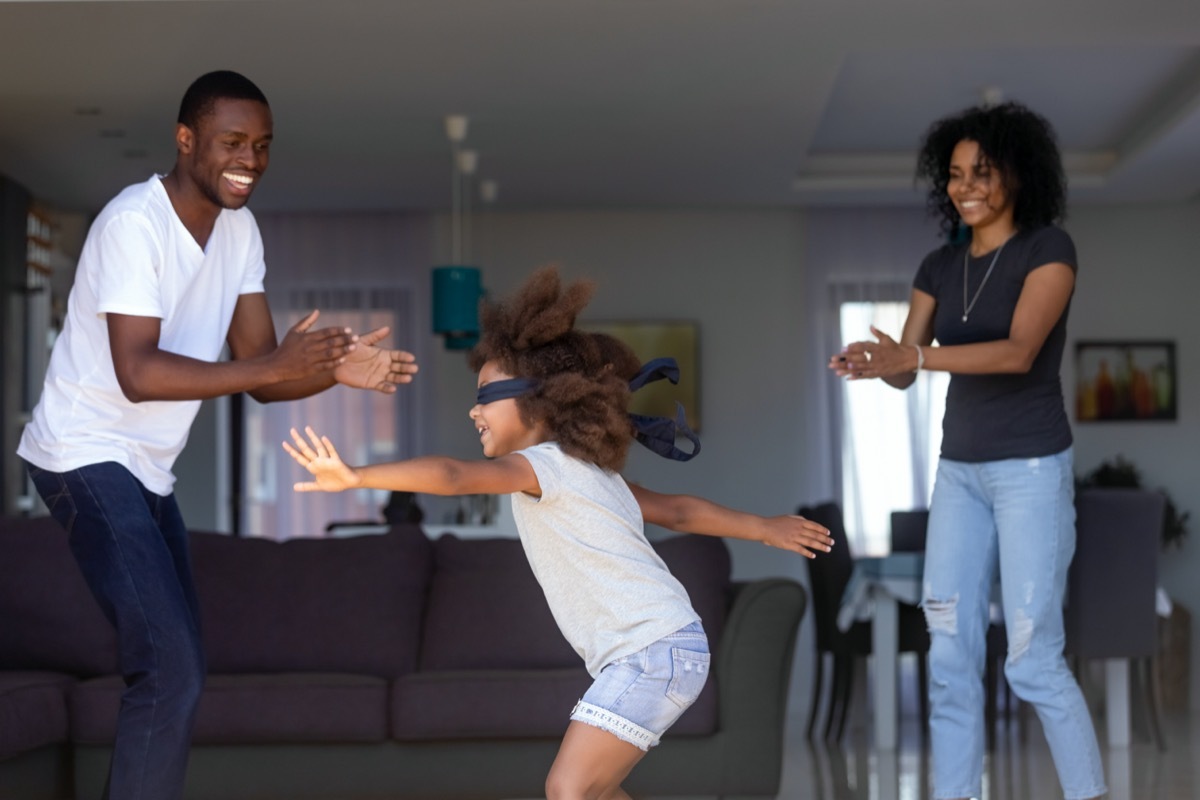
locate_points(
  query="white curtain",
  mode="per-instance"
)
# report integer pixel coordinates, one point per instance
(367, 427)
(874, 448)
(361, 271)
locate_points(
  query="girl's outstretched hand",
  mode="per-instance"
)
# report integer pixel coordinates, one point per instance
(797, 534)
(320, 457)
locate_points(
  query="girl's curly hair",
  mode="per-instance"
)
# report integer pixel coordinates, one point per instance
(1019, 143)
(582, 396)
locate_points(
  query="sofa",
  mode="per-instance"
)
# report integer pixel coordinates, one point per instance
(379, 666)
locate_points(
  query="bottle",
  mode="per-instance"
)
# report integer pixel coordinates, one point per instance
(1106, 393)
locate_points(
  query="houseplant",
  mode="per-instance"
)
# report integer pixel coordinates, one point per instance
(1121, 472)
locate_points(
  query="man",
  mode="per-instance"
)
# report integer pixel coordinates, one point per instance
(171, 271)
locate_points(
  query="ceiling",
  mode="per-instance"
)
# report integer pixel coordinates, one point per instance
(600, 103)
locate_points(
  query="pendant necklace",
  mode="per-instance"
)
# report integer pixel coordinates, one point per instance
(966, 258)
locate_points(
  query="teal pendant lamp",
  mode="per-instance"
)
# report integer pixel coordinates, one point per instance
(456, 294)
(457, 287)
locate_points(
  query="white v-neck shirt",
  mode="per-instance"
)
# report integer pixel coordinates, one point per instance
(139, 259)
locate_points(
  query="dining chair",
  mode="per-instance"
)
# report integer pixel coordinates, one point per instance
(908, 536)
(908, 530)
(829, 573)
(1112, 584)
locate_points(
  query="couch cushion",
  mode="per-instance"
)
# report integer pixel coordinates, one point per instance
(502, 704)
(346, 604)
(33, 710)
(487, 611)
(469, 704)
(255, 709)
(702, 565)
(51, 620)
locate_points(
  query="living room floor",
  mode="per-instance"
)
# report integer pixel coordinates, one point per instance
(1019, 766)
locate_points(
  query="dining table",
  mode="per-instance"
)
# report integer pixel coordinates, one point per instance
(877, 585)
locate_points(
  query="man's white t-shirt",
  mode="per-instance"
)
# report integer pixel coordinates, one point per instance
(139, 259)
(609, 591)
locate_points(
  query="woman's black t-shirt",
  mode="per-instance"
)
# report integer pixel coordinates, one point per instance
(998, 416)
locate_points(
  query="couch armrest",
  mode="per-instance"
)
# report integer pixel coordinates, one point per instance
(753, 671)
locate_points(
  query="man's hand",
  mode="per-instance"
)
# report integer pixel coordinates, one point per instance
(371, 367)
(322, 460)
(304, 352)
(797, 534)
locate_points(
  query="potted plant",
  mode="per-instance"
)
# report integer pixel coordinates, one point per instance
(1122, 473)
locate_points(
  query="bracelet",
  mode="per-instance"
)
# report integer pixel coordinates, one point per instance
(920, 358)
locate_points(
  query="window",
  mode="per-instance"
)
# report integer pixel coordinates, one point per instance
(366, 426)
(890, 439)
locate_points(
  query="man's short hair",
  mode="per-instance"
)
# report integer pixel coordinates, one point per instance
(205, 91)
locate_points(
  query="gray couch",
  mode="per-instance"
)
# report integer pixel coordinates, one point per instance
(384, 666)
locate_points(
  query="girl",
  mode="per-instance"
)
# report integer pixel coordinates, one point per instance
(552, 417)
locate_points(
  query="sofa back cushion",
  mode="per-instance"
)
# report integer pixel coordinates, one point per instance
(346, 604)
(487, 611)
(48, 617)
(702, 565)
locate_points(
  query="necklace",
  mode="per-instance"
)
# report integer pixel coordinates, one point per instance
(966, 258)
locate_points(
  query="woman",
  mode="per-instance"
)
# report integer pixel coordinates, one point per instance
(997, 303)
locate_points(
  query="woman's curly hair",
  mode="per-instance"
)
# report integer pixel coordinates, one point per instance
(1019, 143)
(583, 395)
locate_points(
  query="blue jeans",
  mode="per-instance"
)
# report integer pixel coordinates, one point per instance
(132, 547)
(1017, 515)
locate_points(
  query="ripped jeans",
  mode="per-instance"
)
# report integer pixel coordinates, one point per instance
(1017, 515)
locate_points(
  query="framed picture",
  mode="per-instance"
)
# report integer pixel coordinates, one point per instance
(650, 340)
(1123, 381)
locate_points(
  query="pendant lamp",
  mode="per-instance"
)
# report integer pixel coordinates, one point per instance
(457, 286)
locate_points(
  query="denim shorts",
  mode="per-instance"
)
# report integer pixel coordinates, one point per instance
(637, 697)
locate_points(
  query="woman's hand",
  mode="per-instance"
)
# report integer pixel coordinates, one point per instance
(322, 460)
(879, 359)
